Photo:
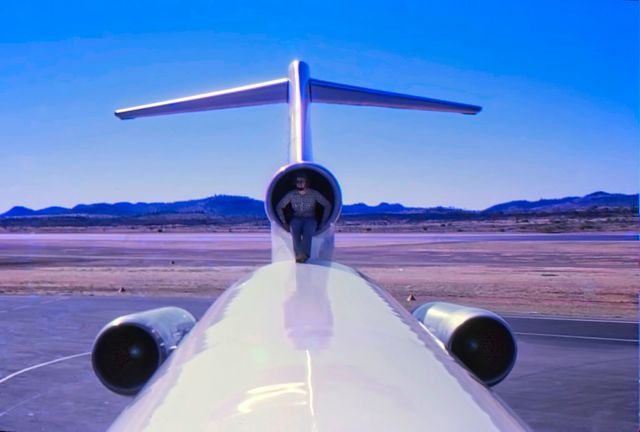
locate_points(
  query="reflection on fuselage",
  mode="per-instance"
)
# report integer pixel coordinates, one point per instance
(307, 310)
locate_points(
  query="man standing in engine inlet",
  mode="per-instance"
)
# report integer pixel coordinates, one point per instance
(303, 225)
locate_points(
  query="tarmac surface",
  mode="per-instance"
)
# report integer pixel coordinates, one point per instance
(571, 375)
(23, 250)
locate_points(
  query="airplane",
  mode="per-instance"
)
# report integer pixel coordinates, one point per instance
(313, 346)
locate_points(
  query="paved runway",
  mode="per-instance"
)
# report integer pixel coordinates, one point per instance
(22, 250)
(571, 375)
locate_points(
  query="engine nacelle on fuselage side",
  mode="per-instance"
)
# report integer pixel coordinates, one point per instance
(129, 350)
(321, 180)
(479, 338)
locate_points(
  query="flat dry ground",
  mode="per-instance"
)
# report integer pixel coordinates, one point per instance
(507, 274)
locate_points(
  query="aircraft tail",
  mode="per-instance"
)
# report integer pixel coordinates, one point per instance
(298, 90)
(269, 92)
(335, 93)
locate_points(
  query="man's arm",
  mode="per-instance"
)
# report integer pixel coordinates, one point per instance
(280, 208)
(326, 205)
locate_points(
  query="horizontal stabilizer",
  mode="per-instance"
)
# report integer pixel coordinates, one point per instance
(257, 94)
(334, 93)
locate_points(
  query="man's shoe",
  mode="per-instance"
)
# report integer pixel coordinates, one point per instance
(300, 258)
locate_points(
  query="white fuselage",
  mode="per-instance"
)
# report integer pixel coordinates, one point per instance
(312, 347)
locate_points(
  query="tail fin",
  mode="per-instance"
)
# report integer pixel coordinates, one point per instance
(257, 94)
(334, 93)
(298, 90)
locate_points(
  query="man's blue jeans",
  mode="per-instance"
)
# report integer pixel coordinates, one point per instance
(302, 229)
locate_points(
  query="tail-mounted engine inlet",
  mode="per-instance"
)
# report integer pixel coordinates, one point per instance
(319, 179)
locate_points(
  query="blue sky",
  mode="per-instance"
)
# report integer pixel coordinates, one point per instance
(558, 82)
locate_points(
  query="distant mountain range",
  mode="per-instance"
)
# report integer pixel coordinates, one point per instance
(596, 200)
(216, 206)
(226, 206)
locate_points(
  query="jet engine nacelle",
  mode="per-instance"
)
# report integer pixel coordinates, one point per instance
(480, 339)
(129, 349)
(283, 182)
(320, 179)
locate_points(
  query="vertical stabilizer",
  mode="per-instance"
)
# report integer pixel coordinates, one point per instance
(298, 90)
(299, 98)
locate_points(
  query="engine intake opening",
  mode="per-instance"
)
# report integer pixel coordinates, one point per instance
(125, 357)
(320, 179)
(486, 347)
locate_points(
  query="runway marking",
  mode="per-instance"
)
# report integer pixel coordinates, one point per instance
(57, 299)
(561, 318)
(577, 337)
(22, 402)
(574, 366)
(30, 368)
